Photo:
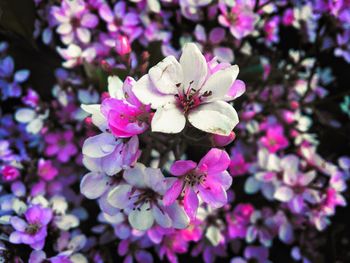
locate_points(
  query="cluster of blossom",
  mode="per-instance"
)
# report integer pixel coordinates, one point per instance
(97, 31)
(164, 179)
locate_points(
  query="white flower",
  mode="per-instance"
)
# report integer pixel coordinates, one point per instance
(34, 121)
(141, 199)
(190, 90)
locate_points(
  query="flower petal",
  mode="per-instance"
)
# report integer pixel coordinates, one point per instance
(220, 82)
(191, 202)
(168, 119)
(93, 185)
(283, 194)
(147, 93)
(173, 193)
(167, 75)
(100, 145)
(182, 167)
(142, 218)
(216, 117)
(161, 217)
(119, 196)
(215, 161)
(194, 66)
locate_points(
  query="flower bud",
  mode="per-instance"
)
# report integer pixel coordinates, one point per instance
(221, 140)
(122, 45)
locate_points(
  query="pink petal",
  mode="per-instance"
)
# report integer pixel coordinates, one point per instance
(191, 202)
(173, 193)
(182, 167)
(215, 161)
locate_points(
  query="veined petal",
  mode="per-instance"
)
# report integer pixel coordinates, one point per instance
(93, 185)
(136, 176)
(220, 82)
(182, 167)
(168, 119)
(173, 193)
(161, 217)
(194, 66)
(119, 196)
(99, 145)
(216, 117)
(147, 93)
(191, 202)
(141, 219)
(167, 75)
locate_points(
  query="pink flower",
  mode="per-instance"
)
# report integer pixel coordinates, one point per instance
(60, 145)
(126, 115)
(239, 221)
(222, 140)
(240, 19)
(46, 170)
(274, 140)
(209, 179)
(9, 173)
(238, 165)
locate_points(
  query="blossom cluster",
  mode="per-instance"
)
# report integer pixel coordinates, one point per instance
(176, 129)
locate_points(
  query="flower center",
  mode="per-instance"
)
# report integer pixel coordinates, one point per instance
(191, 98)
(32, 229)
(195, 178)
(146, 197)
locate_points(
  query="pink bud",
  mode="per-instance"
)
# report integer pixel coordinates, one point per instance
(9, 173)
(123, 45)
(220, 140)
(294, 105)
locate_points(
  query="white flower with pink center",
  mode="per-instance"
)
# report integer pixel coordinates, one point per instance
(192, 90)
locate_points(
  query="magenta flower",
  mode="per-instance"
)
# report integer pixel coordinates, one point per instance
(209, 179)
(274, 140)
(125, 114)
(46, 170)
(9, 173)
(33, 230)
(60, 144)
(240, 19)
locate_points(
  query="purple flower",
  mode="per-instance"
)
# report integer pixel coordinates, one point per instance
(33, 229)
(209, 179)
(60, 144)
(74, 21)
(121, 20)
(47, 170)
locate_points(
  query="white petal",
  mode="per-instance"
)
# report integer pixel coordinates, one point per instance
(93, 185)
(194, 66)
(216, 117)
(100, 145)
(25, 115)
(168, 119)
(119, 196)
(84, 35)
(178, 216)
(98, 119)
(135, 176)
(141, 219)
(64, 28)
(92, 164)
(166, 75)
(147, 93)
(220, 82)
(284, 194)
(161, 217)
(35, 126)
(115, 87)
